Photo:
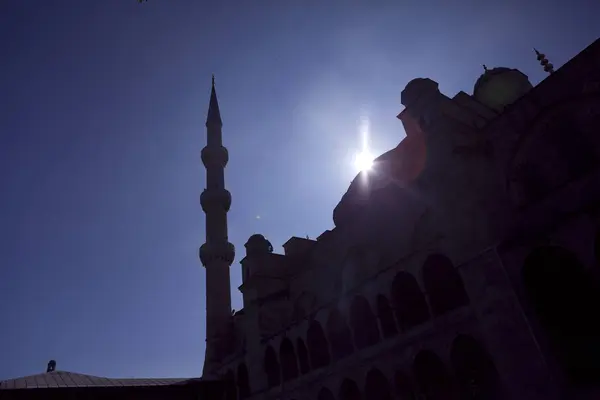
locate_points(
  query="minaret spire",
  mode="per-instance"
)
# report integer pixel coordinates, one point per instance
(217, 253)
(214, 115)
(548, 67)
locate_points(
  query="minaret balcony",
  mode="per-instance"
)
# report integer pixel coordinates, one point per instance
(217, 251)
(216, 156)
(215, 198)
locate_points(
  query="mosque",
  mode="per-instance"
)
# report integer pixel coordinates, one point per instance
(464, 265)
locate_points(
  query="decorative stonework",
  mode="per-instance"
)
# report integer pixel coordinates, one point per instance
(215, 199)
(219, 251)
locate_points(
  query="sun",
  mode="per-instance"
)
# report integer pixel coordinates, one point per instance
(363, 161)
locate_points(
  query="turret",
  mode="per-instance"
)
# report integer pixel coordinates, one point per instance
(217, 253)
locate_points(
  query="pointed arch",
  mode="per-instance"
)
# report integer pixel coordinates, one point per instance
(289, 363)
(325, 394)
(272, 368)
(563, 295)
(303, 362)
(363, 323)
(431, 375)
(339, 335)
(474, 369)
(377, 386)
(386, 317)
(230, 386)
(404, 386)
(408, 301)
(443, 284)
(243, 381)
(318, 347)
(349, 390)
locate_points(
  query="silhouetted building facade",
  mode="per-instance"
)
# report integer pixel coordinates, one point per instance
(464, 265)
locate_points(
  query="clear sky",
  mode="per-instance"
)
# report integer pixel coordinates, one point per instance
(102, 110)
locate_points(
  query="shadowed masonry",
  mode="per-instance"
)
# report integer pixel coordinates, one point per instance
(463, 265)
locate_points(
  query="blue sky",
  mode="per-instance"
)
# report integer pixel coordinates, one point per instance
(102, 110)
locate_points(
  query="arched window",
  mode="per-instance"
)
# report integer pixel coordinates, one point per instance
(349, 391)
(289, 364)
(318, 348)
(432, 377)
(325, 394)
(474, 369)
(386, 317)
(443, 284)
(363, 322)
(272, 367)
(404, 386)
(230, 388)
(302, 357)
(408, 301)
(377, 386)
(564, 297)
(243, 381)
(339, 335)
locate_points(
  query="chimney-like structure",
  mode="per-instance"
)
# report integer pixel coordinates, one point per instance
(217, 253)
(51, 366)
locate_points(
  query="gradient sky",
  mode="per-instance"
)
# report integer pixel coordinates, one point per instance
(102, 110)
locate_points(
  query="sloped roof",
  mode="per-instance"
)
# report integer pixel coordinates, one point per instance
(63, 379)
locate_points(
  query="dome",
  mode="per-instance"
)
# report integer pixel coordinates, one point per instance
(500, 87)
(257, 244)
(417, 88)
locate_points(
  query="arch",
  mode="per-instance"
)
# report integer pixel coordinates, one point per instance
(557, 147)
(431, 375)
(243, 381)
(302, 357)
(325, 394)
(349, 390)
(318, 348)
(339, 335)
(377, 386)
(408, 301)
(272, 368)
(443, 285)
(230, 386)
(386, 317)
(363, 323)
(289, 363)
(474, 369)
(404, 386)
(564, 296)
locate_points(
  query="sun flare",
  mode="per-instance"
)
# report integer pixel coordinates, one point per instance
(363, 161)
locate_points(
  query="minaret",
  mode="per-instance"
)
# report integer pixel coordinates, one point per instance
(216, 254)
(548, 67)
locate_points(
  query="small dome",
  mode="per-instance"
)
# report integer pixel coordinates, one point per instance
(257, 245)
(500, 87)
(417, 88)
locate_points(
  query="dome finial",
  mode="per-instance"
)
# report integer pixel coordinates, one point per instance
(485, 68)
(548, 67)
